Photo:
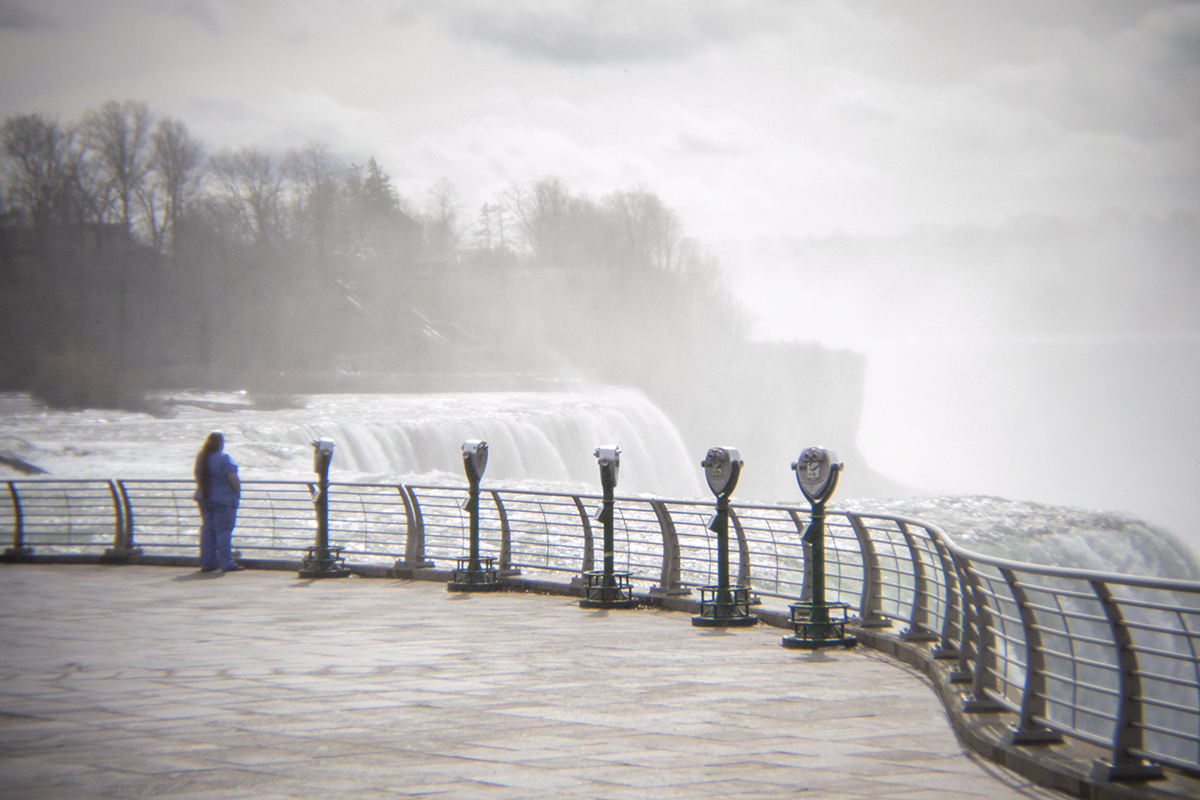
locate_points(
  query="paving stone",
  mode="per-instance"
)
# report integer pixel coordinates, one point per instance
(146, 682)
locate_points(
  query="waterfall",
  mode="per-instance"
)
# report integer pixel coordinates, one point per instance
(539, 437)
(541, 440)
(537, 440)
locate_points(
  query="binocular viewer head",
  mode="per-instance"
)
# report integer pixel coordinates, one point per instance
(722, 466)
(817, 472)
(609, 456)
(322, 454)
(475, 457)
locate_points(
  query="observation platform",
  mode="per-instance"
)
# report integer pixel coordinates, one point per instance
(140, 681)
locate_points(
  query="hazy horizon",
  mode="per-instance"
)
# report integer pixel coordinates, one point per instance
(997, 203)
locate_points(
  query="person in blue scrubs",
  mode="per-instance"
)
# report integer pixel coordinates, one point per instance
(217, 493)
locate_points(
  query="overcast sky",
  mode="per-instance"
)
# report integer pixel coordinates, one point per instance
(814, 144)
(749, 118)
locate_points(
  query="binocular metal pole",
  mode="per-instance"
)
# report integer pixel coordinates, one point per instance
(728, 607)
(725, 609)
(321, 561)
(609, 594)
(817, 471)
(473, 530)
(816, 539)
(472, 574)
(721, 523)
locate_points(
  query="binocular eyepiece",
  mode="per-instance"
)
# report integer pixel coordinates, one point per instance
(475, 457)
(322, 454)
(817, 473)
(609, 456)
(722, 466)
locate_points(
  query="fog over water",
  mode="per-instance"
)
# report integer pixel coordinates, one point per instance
(1048, 360)
(998, 203)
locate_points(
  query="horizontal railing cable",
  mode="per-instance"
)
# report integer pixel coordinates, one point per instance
(1108, 659)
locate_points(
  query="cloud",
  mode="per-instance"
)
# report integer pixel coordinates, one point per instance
(18, 15)
(605, 31)
(206, 12)
(229, 116)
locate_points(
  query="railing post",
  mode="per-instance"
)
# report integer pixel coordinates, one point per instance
(1033, 695)
(668, 583)
(588, 543)
(127, 506)
(949, 647)
(1127, 730)
(18, 549)
(870, 602)
(918, 621)
(414, 534)
(806, 554)
(985, 654)
(969, 642)
(744, 576)
(122, 549)
(504, 564)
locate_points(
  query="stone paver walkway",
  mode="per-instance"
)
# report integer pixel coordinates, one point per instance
(158, 682)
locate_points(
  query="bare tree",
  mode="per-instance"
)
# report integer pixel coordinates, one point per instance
(118, 137)
(376, 219)
(561, 229)
(648, 233)
(314, 175)
(249, 188)
(41, 174)
(176, 171)
(491, 227)
(542, 212)
(442, 230)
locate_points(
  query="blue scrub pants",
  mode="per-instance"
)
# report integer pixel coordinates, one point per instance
(216, 535)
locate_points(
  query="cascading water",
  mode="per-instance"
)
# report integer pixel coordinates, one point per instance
(538, 440)
(1063, 536)
(545, 437)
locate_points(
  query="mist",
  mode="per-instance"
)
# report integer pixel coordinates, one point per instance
(1050, 359)
(956, 244)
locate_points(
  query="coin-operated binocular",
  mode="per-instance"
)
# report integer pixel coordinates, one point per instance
(609, 458)
(723, 606)
(475, 458)
(607, 588)
(817, 472)
(322, 560)
(473, 573)
(817, 623)
(722, 468)
(322, 455)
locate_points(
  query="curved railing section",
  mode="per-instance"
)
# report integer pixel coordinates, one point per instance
(1106, 659)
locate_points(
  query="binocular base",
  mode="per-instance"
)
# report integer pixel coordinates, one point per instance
(326, 564)
(725, 622)
(483, 578)
(725, 608)
(14, 554)
(614, 591)
(819, 625)
(806, 643)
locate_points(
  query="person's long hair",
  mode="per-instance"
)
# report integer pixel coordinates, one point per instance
(212, 444)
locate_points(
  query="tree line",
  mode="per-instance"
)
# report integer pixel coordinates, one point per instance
(128, 249)
(122, 165)
(133, 259)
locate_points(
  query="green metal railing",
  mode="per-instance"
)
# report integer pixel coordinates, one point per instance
(1107, 659)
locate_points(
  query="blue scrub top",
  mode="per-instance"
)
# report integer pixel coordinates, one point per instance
(220, 466)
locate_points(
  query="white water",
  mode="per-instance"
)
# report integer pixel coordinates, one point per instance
(1065, 536)
(537, 440)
